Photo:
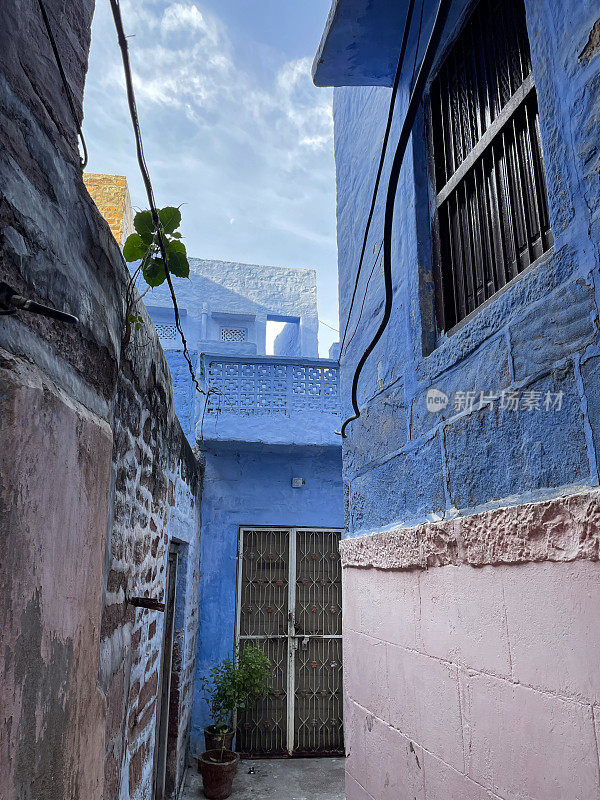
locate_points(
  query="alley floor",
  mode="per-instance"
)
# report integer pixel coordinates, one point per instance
(280, 779)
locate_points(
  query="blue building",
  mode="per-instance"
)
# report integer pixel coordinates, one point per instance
(272, 507)
(471, 625)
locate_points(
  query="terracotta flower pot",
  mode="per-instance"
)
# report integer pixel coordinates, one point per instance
(217, 774)
(213, 740)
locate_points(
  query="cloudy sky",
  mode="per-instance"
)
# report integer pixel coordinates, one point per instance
(232, 124)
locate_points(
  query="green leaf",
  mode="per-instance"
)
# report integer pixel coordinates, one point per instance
(134, 248)
(144, 225)
(170, 218)
(173, 246)
(178, 263)
(154, 272)
(176, 234)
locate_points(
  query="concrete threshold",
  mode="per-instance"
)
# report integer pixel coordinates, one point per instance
(279, 779)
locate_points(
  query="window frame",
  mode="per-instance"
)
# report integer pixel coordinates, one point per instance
(519, 101)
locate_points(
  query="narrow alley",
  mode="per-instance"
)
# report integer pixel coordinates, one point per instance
(300, 400)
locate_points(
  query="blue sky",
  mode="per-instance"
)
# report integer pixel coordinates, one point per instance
(232, 124)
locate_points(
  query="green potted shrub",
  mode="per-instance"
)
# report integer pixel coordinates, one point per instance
(229, 688)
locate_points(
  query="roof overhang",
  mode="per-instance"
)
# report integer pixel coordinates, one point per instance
(360, 44)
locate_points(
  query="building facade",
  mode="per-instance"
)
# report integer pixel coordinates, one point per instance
(470, 567)
(99, 490)
(273, 505)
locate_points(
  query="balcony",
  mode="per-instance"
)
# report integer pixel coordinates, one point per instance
(269, 399)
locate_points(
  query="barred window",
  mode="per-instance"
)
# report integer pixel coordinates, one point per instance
(491, 202)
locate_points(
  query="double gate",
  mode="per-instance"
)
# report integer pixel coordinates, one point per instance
(290, 604)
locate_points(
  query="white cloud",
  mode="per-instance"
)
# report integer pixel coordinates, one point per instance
(181, 16)
(244, 142)
(188, 64)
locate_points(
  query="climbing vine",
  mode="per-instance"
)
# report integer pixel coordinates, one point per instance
(143, 246)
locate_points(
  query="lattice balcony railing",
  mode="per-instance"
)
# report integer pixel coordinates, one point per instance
(251, 386)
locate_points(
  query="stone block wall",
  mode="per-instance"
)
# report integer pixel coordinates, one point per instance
(471, 567)
(155, 506)
(540, 335)
(97, 478)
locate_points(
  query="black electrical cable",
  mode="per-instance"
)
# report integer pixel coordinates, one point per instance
(84, 160)
(388, 127)
(409, 120)
(362, 306)
(122, 39)
(414, 69)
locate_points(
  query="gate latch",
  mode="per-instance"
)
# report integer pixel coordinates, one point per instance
(305, 643)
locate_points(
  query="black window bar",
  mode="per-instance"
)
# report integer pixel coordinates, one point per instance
(491, 201)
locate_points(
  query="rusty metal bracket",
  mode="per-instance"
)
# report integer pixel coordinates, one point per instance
(146, 602)
(11, 302)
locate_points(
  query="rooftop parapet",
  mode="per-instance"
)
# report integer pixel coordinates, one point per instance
(270, 400)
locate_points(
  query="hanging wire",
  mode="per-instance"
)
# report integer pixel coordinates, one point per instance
(386, 136)
(83, 160)
(362, 307)
(327, 325)
(122, 39)
(407, 125)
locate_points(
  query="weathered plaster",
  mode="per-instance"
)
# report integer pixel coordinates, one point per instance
(55, 465)
(93, 459)
(561, 529)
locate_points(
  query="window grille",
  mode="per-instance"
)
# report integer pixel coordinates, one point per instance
(168, 332)
(491, 202)
(234, 334)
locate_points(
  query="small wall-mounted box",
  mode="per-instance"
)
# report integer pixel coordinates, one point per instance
(298, 483)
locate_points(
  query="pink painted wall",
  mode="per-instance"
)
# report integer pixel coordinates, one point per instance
(465, 683)
(55, 463)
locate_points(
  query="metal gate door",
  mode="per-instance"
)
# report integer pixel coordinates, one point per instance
(290, 603)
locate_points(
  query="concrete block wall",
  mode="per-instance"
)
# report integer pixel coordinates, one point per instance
(465, 682)
(97, 476)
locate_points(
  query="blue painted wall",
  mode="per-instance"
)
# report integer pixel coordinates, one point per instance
(403, 464)
(244, 296)
(251, 455)
(252, 486)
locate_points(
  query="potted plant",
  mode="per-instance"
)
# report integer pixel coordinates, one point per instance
(229, 687)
